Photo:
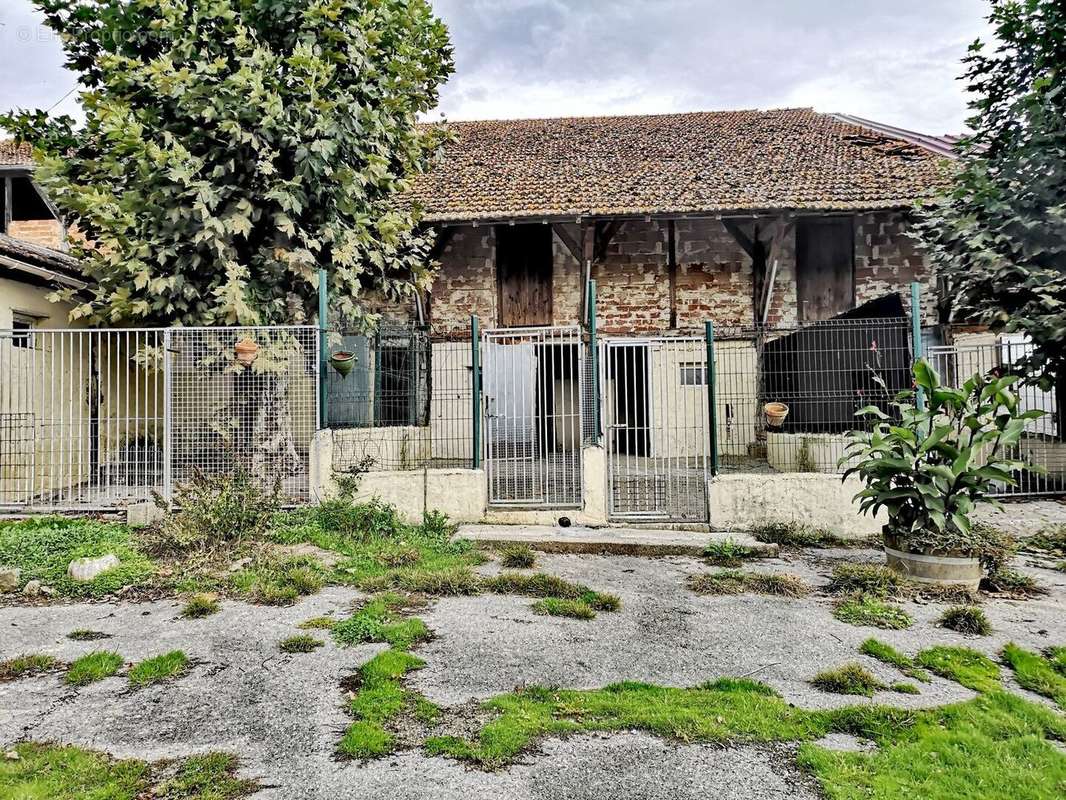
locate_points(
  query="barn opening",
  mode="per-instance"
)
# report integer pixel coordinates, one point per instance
(524, 275)
(825, 267)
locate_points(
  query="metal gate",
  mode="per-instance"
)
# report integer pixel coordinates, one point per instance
(656, 427)
(532, 407)
(98, 419)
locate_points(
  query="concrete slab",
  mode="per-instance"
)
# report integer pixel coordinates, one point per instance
(606, 541)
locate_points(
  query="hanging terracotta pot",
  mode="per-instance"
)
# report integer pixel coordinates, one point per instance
(775, 414)
(342, 361)
(246, 351)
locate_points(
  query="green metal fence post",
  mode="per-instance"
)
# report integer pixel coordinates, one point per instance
(712, 408)
(594, 361)
(475, 391)
(323, 348)
(916, 335)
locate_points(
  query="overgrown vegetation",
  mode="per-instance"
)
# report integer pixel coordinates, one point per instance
(1051, 539)
(301, 643)
(26, 666)
(517, 556)
(555, 607)
(797, 534)
(379, 621)
(966, 619)
(200, 605)
(871, 580)
(734, 582)
(542, 585)
(887, 654)
(93, 667)
(862, 609)
(159, 668)
(1012, 582)
(848, 679)
(1056, 657)
(727, 553)
(279, 581)
(1037, 673)
(53, 772)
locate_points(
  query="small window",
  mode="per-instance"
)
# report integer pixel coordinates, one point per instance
(21, 330)
(693, 375)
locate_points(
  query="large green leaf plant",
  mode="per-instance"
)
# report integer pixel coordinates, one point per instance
(929, 467)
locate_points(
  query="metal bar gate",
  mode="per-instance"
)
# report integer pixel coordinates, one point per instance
(656, 428)
(532, 380)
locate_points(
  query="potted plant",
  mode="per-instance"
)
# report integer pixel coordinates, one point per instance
(342, 361)
(930, 467)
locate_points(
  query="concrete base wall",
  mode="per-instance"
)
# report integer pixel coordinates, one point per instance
(805, 452)
(822, 501)
(592, 514)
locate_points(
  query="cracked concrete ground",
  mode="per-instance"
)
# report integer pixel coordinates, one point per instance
(283, 714)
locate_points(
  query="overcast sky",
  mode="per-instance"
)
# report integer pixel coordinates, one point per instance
(893, 62)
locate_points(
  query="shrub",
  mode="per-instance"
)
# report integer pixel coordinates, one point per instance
(359, 521)
(93, 667)
(865, 610)
(161, 668)
(200, 605)
(517, 556)
(24, 666)
(301, 643)
(929, 468)
(966, 619)
(850, 679)
(213, 511)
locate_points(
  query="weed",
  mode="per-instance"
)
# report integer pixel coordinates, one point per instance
(25, 666)
(1036, 673)
(849, 679)
(904, 688)
(398, 555)
(83, 635)
(966, 619)
(160, 668)
(541, 585)
(378, 622)
(964, 666)
(1012, 582)
(317, 623)
(517, 556)
(727, 553)
(796, 534)
(447, 582)
(380, 699)
(555, 607)
(279, 581)
(733, 582)
(93, 667)
(872, 580)
(1051, 539)
(200, 605)
(43, 547)
(210, 776)
(1056, 657)
(865, 610)
(301, 643)
(887, 654)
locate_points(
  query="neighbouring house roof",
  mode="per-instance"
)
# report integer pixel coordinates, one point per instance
(717, 162)
(39, 263)
(13, 154)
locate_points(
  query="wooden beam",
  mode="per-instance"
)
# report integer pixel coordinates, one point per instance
(746, 244)
(605, 232)
(568, 241)
(671, 264)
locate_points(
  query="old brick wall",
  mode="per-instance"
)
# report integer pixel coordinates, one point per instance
(887, 259)
(45, 232)
(466, 282)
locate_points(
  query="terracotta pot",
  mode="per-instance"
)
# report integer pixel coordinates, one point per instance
(775, 414)
(246, 351)
(342, 361)
(944, 568)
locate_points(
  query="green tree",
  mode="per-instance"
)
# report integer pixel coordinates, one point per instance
(999, 235)
(231, 148)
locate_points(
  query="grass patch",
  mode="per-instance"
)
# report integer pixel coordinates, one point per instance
(556, 607)
(727, 553)
(904, 688)
(301, 643)
(517, 556)
(377, 621)
(848, 679)
(870, 611)
(542, 585)
(380, 699)
(964, 666)
(1012, 582)
(1051, 539)
(279, 581)
(887, 654)
(317, 624)
(733, 582)
(1036, 673)
(200, 605)
(43, 547)
(52, 772)
(1056, 657)
(25, 666)
(93, 667)
(966, 619)
(83, 635)
(160, 668)
(872, 580)
(797, 534)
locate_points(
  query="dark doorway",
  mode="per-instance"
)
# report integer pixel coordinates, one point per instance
(524, 275)
(629, 368)
(825, 266)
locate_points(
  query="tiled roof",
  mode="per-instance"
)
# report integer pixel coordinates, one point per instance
(38, 256)
(673, 163)
(14, 155)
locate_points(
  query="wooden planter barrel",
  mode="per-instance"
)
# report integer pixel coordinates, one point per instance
(943, 568)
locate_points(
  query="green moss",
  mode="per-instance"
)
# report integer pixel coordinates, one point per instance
(555, 607)
(966, 619)
(887, 654)
(93, 667)
(872, 612)
(1036, 673)
(904, 688)
(160, 668)
(83, 635)
(962, 665)
(848, 679)
(43, 547)
(25, 666)
(317, 623)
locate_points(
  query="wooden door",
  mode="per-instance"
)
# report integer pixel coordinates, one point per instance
(524, 275)
(825, 266)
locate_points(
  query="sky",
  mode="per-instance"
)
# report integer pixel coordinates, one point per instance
(895, 62)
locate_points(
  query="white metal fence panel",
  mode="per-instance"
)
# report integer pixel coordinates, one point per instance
(532, 382)
(656, 422)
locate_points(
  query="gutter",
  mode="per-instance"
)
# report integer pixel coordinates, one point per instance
(42, 272)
